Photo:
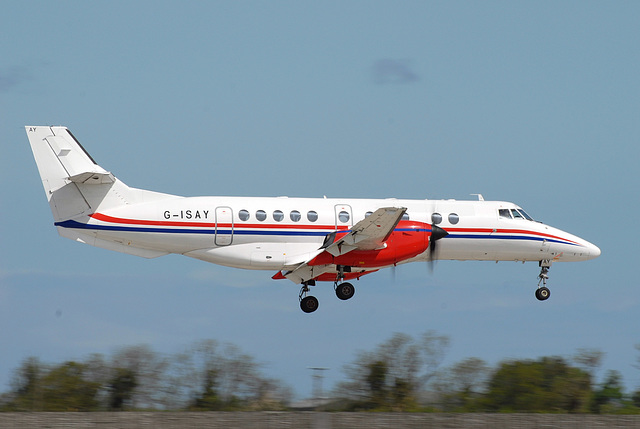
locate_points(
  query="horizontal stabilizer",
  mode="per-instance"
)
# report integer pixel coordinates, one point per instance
(93, 178)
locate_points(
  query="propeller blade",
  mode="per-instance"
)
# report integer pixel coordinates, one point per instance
(436, 234)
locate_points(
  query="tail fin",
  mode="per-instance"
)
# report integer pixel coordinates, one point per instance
(74, 183)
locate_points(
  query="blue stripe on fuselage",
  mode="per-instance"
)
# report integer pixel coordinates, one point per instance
(79, 225)
(508, 237)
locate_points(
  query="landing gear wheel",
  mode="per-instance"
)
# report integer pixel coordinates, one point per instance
(345, 291)
(543, 293)
(309, 304)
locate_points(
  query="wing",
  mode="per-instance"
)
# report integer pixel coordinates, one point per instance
(368, 234)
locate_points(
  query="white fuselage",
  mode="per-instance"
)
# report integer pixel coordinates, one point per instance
(280, 233)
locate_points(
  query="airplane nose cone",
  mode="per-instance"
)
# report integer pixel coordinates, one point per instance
(592, 251)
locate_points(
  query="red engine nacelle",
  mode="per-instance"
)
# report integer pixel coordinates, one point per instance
(407, 240)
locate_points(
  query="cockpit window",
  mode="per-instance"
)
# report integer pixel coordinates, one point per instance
(513, 213)
(523, 213)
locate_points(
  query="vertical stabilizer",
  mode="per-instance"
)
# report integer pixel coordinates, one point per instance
(74, 183)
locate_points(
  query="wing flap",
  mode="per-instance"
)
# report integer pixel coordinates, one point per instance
(306, 272)
(370, 233)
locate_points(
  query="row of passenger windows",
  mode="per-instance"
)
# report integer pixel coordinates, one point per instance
(296, 216)
(344, 216)
(278, 215)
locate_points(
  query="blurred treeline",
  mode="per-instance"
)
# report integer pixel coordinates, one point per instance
(207, 376)
(401, 374)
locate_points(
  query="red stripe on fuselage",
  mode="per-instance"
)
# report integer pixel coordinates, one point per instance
(508, 231)
(111, 219)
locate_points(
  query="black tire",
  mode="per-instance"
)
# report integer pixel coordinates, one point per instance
(543, 294)
(309, 304)
(345, 291)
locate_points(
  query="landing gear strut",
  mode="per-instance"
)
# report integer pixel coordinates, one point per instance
(309, 303)
(543, 293)
(344, 290)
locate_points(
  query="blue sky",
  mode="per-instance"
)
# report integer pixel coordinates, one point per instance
(531, 102)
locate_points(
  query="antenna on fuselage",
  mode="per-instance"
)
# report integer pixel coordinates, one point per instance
(480, 197)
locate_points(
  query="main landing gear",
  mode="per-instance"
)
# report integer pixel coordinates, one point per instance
(543, 293)
(344, 291)
(309, 303)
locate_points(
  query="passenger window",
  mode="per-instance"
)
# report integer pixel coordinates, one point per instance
(516, 214)
(367, 214)
(243, 214)
(261, 215)
(278, 216)
(312, 216)
(504, 213)
(454, 218)
(295, 216)
(405, 216)
(343, 216)
(436, 218)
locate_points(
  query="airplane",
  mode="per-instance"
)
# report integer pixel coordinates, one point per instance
(305, 240)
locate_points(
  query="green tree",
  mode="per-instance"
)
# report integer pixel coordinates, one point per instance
(224, 378)
(149, 370)
(208, 400)
(377, 383)
(65, 388)
(546, 385)
(635, 398)
(26, 392)
(392, 376)
(461, 385)
(121, 388)
(609, 394)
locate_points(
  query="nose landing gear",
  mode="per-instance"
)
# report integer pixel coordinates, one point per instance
(543, 293)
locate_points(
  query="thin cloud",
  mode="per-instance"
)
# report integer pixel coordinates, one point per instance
(390, 71)
(10, 77)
